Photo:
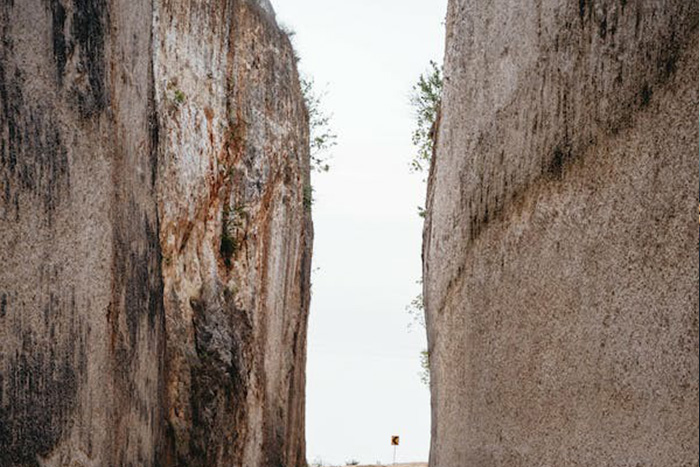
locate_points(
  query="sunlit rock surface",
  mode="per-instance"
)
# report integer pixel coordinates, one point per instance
(155, 245)
(560, 247)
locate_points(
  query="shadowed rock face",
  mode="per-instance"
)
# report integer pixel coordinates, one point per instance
(154, 244)
(560, 272)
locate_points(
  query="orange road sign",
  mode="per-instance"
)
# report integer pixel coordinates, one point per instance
(394, 440)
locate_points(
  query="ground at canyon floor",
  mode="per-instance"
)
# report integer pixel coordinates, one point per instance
(414, 464)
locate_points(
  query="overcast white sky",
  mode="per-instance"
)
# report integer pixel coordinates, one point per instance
(363, 362)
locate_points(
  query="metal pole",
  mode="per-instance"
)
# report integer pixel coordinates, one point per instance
(394, 454)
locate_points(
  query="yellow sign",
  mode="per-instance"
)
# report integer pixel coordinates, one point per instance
(394, 440)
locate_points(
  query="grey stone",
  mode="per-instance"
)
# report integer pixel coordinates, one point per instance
(560, 246)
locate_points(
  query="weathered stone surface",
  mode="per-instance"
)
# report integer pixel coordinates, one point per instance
(560, 247)
(82, 322)
(235, 234)
(154, 244)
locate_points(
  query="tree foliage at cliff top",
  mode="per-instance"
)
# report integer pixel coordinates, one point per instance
(425, 100)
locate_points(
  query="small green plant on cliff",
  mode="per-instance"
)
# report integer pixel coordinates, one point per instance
(426, 96)
(179, 97)
(417, 311)
(425, 367)
(287, 30)
(308, 197)
(176, 95)
(321, 135)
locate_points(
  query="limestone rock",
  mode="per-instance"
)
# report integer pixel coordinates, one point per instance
(154, 244)
(560, 250)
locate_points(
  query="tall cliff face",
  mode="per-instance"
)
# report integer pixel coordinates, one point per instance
(560, 249)
(81, 321)
(154, 240)
(235, 233)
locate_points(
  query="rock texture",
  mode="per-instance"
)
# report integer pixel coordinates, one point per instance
(235, 234)
(560, 246)
(154, 240)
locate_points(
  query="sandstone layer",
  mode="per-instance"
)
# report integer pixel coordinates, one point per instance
(560, 246)
(155, 241)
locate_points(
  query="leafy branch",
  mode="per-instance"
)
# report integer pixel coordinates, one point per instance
(426, 96)
(322, 137)
(417, 311)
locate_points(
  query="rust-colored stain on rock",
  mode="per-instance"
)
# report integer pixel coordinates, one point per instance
(130, 132)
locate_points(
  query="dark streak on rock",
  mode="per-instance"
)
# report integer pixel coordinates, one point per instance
(645, 94)
(220, 379)
(34, 158)
(137, 302)
(556, 164)
(603, 29)
(154, 134)
(667, 62)
(136, 251)
(662, 63)
(41, 383)
(88, 30)
(58, 20)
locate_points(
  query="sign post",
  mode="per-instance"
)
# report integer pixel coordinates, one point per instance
(395, 443)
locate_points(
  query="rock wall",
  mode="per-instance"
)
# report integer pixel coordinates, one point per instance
(560, 246)
(235, 233)
(155, 245)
